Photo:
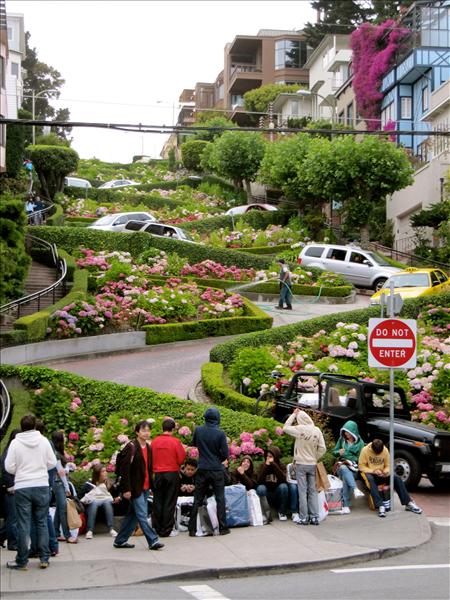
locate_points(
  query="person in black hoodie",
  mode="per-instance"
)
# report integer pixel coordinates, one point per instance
(8, 531)
(244, 473)
(271, 481)
(212, 447)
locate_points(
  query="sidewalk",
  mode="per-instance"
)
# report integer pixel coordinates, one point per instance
(339, 540)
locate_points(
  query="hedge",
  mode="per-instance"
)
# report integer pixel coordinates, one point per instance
(35, 326)
(57, 218)
(220, 393)
(224, 353)
(102, 398)
(71, 239)
(255, 218)
(254, 319)
(266, 249)
(87, 220)
(272, 287)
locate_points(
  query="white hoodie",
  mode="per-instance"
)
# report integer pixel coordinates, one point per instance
(29, 458)
(309, 442)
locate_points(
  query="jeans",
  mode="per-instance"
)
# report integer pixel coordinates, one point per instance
(203, 480)
(52, 540)
(91, 510)
(10, 521)
(293, 497)
(373, 481)
(32, 503)
(285, 296)
(307, 493)
(278, 498)
(165, 494)
(137, 513)
(348, 484)
(61, 509)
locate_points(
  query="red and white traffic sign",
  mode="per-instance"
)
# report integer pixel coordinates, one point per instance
(392, 343)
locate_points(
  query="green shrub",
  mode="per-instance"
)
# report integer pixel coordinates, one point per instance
(15, 146)
(272, 287)
(14, 260)
(191, 153)
(72, 238)
(274, 250)
(52, 164)
(255, 218)
(22, 404)
(57, 218)
(221, 394)
(259, 361)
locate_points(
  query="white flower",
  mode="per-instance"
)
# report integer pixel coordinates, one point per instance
(246, 381)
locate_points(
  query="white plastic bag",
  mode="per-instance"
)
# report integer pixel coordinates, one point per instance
(183, 512)
(323, 506)
(254, 506)
(334, 495)
(211, 506)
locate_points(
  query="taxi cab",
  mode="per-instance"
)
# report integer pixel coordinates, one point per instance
(412, 283)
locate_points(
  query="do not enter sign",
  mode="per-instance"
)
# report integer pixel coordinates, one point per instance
(392, 343)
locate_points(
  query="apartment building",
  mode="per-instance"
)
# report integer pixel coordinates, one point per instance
(14, 78)
(3, 64)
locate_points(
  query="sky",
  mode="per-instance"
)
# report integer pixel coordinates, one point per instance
(128, 61)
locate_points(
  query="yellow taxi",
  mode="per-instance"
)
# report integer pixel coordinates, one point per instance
(412, 283)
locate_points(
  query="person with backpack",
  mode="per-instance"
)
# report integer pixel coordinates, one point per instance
(134, 470)
(94, 494)
(168, 455)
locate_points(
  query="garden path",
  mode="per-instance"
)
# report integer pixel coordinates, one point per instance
(174, 368)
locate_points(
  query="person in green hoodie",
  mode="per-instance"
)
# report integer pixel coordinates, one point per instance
(347, 451)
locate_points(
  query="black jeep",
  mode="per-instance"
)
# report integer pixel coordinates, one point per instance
(419, 449)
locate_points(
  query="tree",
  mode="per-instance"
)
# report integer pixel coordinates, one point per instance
(52, 164)
(41, 77)
(51, 139)
(191, 154)
(13, 257)
(15, 147)
(172, 160)
(257, 100)
(218, 121)
(336, 16)
(236, 155)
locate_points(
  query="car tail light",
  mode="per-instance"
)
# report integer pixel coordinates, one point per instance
(299, 260)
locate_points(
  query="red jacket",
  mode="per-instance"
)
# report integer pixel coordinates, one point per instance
(168, 454)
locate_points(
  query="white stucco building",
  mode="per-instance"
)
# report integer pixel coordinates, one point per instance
(14, 76)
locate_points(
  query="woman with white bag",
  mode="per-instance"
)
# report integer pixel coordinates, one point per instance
(95, 493)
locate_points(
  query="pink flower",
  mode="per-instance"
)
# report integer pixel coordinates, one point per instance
(123, 422)
(246, 437)
(73, 436)
(192, 452)
(93, 420)
(122, 438)
(110, 468)
(73, 406)
(189, 415)
(279, 431)
(441, 416)
(184, 430)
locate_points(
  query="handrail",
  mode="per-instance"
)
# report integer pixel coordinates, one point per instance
(5, 408)
(411, 258)
(58, 262)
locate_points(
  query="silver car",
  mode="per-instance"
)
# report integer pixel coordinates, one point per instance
(160, 229)
(361, 267)
(118, 221)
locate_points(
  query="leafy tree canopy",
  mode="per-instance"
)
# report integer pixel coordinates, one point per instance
(257, 100)
(217, 121)
(191, 153)
(52, 164)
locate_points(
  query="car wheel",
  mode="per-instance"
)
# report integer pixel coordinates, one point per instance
(379, 284)
(407, 468)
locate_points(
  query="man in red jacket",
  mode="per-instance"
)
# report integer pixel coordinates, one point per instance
(168, 456)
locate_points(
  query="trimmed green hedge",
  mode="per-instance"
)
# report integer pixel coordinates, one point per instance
(224, 353)
(254, 320)
(102, 398)
(272, 287)
(71, 239)
(35, 326)
(86, 220)
(266, 249)
(213, 385)
(255, 218)
(57, 218)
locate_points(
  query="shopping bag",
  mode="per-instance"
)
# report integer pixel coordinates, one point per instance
(211, 507)
(322, 482)
(183, 512)
(334, 495)
(266, 510)
(73, 518)
(236, 506)
(254, 505)
(323, 505)
(204, 525)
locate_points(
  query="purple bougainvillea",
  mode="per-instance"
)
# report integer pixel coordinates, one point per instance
(374, 49)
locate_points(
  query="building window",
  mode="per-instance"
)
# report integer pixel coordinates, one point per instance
(425, 99)
(15, 69)
(387, 114)
(435, 26)
(350, 114)
(10, 34)
(290, 54)
(341, 118)
(405, 108)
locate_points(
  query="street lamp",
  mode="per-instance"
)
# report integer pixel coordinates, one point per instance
(331, 104)
(33, 104)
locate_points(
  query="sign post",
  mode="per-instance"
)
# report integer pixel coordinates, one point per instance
(392, 344)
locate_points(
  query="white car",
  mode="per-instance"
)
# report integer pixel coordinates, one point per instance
(77, 182)
(117, 183)
(160, 229)
(240, 210)
(118, 221)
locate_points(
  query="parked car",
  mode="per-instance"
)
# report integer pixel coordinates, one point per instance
(412, 283)
(77, 182)
(117, 183)
(118, 221)
(360, 267)
(159, 229)
(240, 210)
(418, 448)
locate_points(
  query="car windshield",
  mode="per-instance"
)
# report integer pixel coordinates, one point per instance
(408, 280)
(105, 220)
(184, 235)
(379, 260)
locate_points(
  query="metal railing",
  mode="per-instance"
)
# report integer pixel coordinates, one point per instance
(5, 408)
(58, 263)
(407, 257)
(38, 217)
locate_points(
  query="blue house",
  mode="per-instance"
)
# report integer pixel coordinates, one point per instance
(422, 67)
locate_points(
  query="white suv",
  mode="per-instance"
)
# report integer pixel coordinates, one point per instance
(360, 267)
(117, 221)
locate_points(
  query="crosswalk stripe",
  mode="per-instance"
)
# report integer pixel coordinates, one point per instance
(203, 592)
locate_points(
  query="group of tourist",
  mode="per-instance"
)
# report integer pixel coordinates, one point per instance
(33, 470)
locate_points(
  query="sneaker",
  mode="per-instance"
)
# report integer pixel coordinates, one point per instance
(282, 516)
(287, 308)
(381, 511)
(54, 553)
(156, 546)
(173, 533)
(345, 510)
(89, 535)
(303, 522)
(357, 493)
(412, 506)
(125, 545)
(295, 517)
(44, 565)
(278, 307)
(224, 532)
(314, 520)
(15, 566)
(112, 532)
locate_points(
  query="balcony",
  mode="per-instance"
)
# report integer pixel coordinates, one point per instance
(439, 102)
(244, 77)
